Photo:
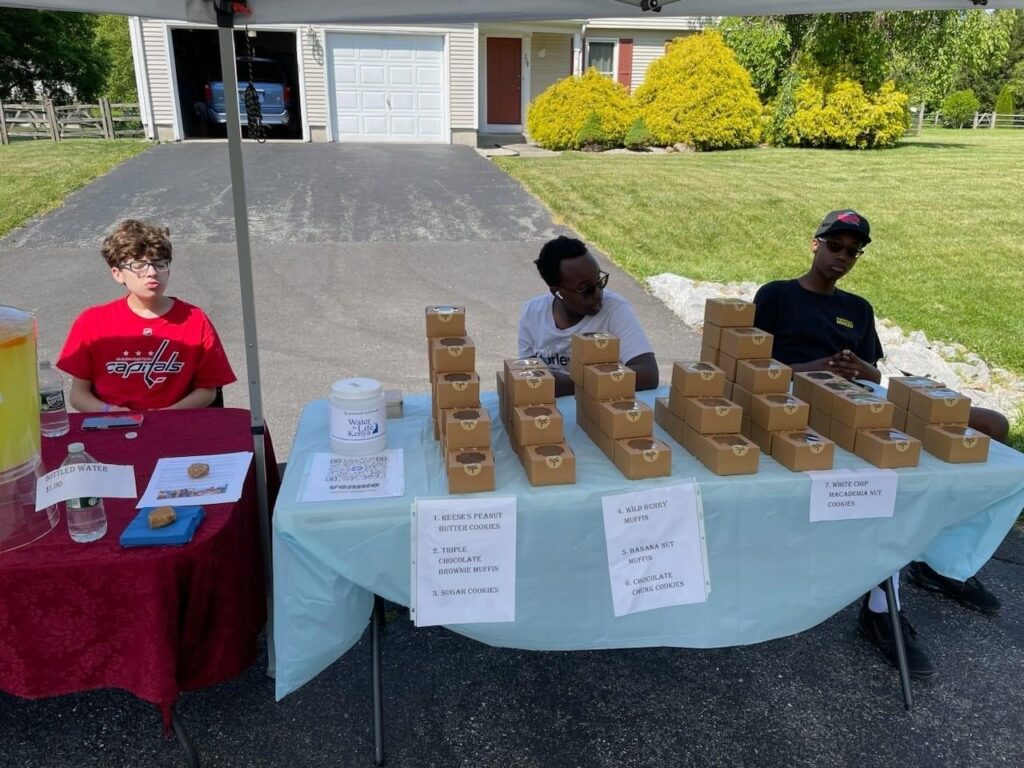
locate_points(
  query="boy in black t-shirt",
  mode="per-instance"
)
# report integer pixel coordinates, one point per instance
(818, 327)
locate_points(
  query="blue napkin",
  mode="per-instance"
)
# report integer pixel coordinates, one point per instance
(139, 534)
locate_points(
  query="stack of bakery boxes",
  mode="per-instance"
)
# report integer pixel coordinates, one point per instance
(460, 423)
(607, 408)
(535, 427)
(937, 416)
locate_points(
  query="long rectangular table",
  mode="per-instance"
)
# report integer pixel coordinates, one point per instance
(773, 573)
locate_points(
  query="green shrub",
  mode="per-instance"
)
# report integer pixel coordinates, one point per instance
(698, 94)
(845, 116)
(1004, 104)
(592, 136)
(556, 118)
(958, 108)
(638, 136)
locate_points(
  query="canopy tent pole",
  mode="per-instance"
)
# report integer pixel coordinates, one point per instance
(225, 32)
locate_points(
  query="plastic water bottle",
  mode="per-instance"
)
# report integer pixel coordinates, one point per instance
(87, 519)
(53, 412)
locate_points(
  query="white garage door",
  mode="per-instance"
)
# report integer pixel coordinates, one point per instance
(387, 87)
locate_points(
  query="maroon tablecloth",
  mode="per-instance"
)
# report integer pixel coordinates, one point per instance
(154, 621)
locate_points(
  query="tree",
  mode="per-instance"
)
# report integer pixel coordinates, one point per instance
(1004, 104)
(113, 41)
(45, 53)
(958, 108)
(763, 46)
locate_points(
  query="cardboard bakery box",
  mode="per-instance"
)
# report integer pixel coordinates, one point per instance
(820, 422)
(888, 448)
(826, 393)
(806, 382)
(605, 381)
(666, 418)
(580, 413)
(899, 418)
(602, 440)
(956, 443)
(915, 426)
(576, 372)
(803, 450)
(446, 320)
(470, 470)
(535, 386)
(728, 365)
(523, 364)
(641, 457)
(711, 334)
(698, 379)
(537, 424)
(452, 354)
(549, 464)
(712, 415)
(779, 411)
(862, 410)
(500, 386)
(843, 435)
(594, 347)
(452, 390)
(729, 313)
(746, 425)
(726, 454)
(625, 418)
(939, 406)
(763, 376)
(760, 436)
(899, 387)
(466, 428)
(591, 407)
(746, 343)
(708, 354)
(741, 397)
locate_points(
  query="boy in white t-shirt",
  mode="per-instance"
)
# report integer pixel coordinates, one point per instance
(577, 303)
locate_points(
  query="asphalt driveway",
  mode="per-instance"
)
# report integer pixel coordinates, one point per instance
(349, 244)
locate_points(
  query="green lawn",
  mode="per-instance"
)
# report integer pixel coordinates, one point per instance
(946, 212)
(36, 176)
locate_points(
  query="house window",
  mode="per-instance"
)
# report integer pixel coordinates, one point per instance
(601, 56)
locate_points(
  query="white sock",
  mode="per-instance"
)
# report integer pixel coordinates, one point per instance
(876, 600)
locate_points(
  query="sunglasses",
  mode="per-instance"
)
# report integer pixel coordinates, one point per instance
(586, 293)
(853, 251)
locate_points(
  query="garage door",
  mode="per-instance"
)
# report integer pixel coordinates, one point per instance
(387, 87)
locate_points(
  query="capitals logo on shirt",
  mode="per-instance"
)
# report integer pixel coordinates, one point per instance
(128, 365)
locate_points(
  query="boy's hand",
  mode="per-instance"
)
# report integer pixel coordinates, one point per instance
(847, 364)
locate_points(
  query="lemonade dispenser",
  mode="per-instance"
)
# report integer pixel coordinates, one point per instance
(20, 457)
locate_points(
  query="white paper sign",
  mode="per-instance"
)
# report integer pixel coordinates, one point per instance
(852, 494)
(75, 481)
(188, 480)
(342, 478)
(464, 560)
(657, 554)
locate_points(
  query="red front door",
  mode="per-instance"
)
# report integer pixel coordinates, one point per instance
(504, 80)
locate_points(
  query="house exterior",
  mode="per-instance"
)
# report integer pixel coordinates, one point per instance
(434, 84)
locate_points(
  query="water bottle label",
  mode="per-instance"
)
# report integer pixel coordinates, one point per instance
(85, 502)
(51, 401)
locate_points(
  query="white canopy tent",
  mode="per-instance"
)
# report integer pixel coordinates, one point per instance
(409, 12)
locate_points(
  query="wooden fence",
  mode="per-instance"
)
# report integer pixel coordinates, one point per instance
(920, 117)
(45, 120)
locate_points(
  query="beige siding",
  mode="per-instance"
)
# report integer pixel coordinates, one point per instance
(648, 45)
(462, 77)
(154, 41)
(555, 65)
(314, 89)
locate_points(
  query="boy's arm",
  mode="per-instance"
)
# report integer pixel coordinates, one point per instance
(197, 398)
(844, 363)
(646, 367)
(84, 401)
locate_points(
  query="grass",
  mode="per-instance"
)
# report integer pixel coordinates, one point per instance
(946, 212)
(36, 176)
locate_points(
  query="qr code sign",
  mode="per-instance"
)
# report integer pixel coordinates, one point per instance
(357, 473)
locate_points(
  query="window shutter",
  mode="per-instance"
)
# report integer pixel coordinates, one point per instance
(625, 73)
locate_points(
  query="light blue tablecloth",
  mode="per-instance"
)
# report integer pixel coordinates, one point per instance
(773, 573)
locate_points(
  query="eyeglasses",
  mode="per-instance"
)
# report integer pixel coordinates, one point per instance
(586, 293)
(141, 266)
(853, 251)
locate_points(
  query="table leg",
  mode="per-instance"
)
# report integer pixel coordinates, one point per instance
(901, 651)
(376, 625)
(183, 738)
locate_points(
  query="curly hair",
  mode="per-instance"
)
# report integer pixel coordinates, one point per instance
(554, 252)
(134, 239)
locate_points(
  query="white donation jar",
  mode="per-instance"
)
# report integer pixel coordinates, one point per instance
(359, 417)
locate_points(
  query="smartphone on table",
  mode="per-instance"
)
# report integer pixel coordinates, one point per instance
(126, 421)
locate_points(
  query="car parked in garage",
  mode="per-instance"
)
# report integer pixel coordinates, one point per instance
(271, 83)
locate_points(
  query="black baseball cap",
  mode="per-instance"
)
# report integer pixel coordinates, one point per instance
(845, 221)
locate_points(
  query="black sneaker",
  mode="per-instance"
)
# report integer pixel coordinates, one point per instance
(877, 629)
(971, 593)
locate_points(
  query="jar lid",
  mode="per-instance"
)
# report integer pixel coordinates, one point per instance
(76, 447)
(15, 323)
(357, 388)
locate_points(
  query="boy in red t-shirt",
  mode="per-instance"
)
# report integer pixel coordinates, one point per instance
(145, 350)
